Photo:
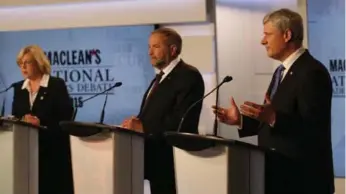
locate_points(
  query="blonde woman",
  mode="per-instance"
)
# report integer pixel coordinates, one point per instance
(41, 99)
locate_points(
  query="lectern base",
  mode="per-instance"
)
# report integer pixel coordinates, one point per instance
(108, 163)
(221, 170)
(19, 159)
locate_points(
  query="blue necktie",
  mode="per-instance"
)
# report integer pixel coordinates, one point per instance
(277, 79)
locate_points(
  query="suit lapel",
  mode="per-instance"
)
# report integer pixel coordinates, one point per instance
(164, 82)
(40, 97)
(286, 80)
(25, 100)
(291, 73)
(145, 97)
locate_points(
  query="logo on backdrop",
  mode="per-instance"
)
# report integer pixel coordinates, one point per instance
(337, 72)
(83, 72)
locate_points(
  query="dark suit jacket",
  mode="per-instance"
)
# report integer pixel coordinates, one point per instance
(302, 131)
(182, 87)
(51, 106)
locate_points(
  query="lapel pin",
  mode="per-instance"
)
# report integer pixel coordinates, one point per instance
(41, 98)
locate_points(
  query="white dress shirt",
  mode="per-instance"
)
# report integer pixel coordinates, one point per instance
(288, 62)
(167, 70)
(33, 95)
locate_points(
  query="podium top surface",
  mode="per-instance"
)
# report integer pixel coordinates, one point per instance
(196, 142)
(20, 122)
(85, 129)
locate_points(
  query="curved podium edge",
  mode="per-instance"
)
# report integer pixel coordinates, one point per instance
(86, 129)
(19, 122)
(196, 142)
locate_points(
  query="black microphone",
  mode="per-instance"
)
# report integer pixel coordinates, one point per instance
(7, 88)
(103, 109)
(226, 79)
(215, 127)
(4, 101)
(117, 84)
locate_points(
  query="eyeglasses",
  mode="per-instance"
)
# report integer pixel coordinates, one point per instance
(25, 63)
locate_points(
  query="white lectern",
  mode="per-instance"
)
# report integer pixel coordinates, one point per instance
(106, 159)
(209, 164)
(19, 157)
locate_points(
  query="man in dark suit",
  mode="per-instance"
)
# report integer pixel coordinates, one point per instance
(295, 120)
(176, 86)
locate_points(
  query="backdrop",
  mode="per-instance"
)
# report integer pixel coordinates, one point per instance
(90, 60)
(326, 24)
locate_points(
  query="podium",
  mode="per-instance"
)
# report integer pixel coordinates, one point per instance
(19, 157)
(106, 159)
(209, 164)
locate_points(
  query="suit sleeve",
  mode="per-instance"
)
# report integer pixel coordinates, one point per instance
(64, 103)
(63, 106)
(249, 127)
(191, 91)
(314, 104)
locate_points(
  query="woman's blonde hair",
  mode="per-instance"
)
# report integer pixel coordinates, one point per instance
(38, 55)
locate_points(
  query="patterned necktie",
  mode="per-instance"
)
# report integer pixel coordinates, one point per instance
(151, 91)
(156, 83)
(277, 79)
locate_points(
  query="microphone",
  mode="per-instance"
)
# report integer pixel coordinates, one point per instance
(3, 108)
(117, 84)
(4, 101)
(215, 127)
(103, 109)
(226, 79)
(3, 91)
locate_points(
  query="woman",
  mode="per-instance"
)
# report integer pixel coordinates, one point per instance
(41, 99)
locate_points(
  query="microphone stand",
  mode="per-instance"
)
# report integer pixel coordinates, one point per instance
(103, 109)
(2, 113)
(118, 84)
(226, 79)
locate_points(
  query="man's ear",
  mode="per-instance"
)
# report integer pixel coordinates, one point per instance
(173, 50)
(288, 35)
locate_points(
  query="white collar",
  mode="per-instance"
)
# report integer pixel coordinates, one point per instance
(288, 62)
(169, 67)
(43, 83)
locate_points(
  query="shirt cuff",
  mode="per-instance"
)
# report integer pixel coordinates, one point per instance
(241, 123)
(272, 124)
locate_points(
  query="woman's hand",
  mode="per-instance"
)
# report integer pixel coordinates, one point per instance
(32, 119)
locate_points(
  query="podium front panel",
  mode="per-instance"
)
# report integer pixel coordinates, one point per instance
(92, 159)
(6, 161)
(19, 160)
(221, 169)
(202, 172)
(108, 163)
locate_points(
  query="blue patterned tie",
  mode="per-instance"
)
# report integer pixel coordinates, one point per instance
(277, 79)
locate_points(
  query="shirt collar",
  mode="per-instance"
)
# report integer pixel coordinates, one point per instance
(43, 83)
(288, 62)
(169, 67)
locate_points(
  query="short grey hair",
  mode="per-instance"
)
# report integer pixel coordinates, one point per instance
(172, 37)
(285, 19)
